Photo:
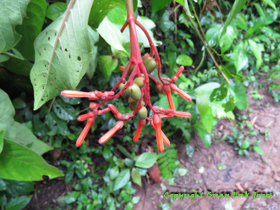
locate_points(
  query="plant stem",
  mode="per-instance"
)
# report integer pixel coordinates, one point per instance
(207, 48)
(124, 151)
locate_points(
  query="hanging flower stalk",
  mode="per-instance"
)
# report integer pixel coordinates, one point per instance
(135, 86)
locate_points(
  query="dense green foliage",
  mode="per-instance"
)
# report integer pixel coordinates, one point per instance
(49, 47)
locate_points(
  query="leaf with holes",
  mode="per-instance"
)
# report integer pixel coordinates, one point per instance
(12, 13)
(61, 53)
(64, 111)
(31, 27)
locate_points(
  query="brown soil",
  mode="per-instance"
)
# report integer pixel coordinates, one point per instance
(253, 173)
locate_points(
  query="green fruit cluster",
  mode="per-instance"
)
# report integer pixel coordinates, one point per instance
(133, 93)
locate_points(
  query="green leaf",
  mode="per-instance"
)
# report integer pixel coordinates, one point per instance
(111, 34)
(1, 141)
(100, 8)
(55, 10)
(245, 144)
(227, 39)
(146, 160)
(12, 13)
(135, 199)
(114, 172)
(158, 5)
(206, 138)
(14, 130)
(18, 66)
(184, 60)
(15, 187)
(219, 93)
(56, 124)
(18, 103)
(270, 3)
(61, 54)
(136, 177)
(31, 27)
(189, 150)
(20, 163)
(93, 37)
(236, 8)
(240, 57)
(117, 15)
(107, 154)
(18, 203)
(64, 111)
(107, 65)
(259, 9)
(186, 5)
(257, 50)
(240, 96)
(87, 183)
(122, 179)
(258, 150)
(72, 197)
(212, 35)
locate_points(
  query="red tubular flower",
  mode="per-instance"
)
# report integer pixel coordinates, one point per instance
(83, 134)
(111, 132)
(182, 114)
(157, 124)
(115, 111)
(167, 91)
(79, 94)
(122, 68)
(165, 139)
(180, 92)
(180, 70)
(86, 116)
(141, 123)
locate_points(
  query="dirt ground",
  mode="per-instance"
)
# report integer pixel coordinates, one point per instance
(254, 173)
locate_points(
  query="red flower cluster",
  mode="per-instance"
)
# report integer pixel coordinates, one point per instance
(137, 91)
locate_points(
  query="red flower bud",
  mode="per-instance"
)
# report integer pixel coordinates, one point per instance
(86, 116)
(180, 70)
(183, 114)
(115, 111)
(82, 136)
(111, 132)
(92, 105)
(165, 139)
(121, 68)
(79, 94)
(141, 123)
(180, 92)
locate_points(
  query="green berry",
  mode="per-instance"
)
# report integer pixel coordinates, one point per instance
(151, 65)
(143, 113)
(159, 88)
(134, 91)
(133, 106)
(131, 100)
(125, 94)
(139, 81)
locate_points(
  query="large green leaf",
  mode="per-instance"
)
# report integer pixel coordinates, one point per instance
(55, 10)
(20, 163)
(236, 8)
(31, 27)
(1, 140)
(205, 111)
(122, 179)
(204, 135)
(12, 13)
(212, 35)
(136, 177)
(257, 50)
(100, 8)
(240, 96)
(14, 130)
(61, 53)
